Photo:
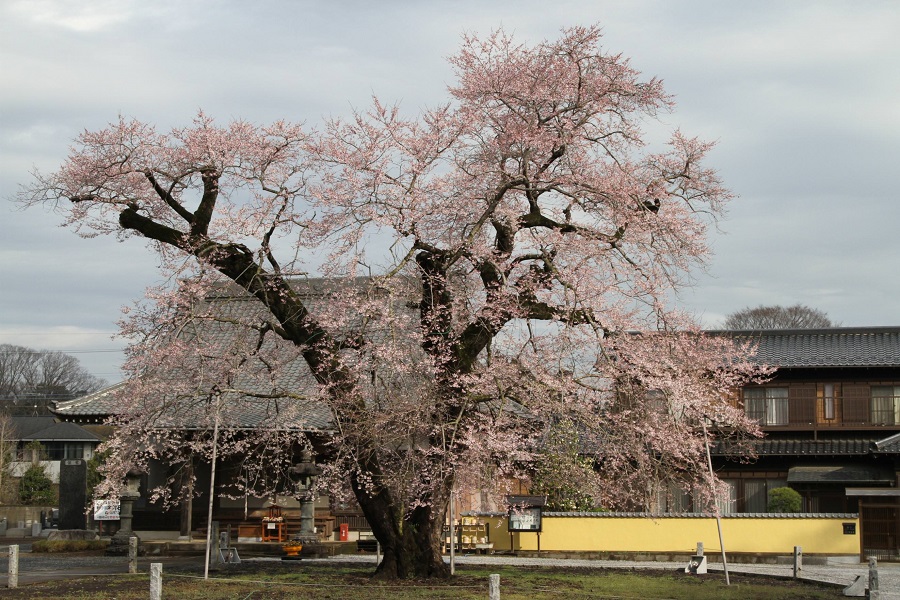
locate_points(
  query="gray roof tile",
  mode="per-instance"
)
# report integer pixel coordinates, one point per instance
(803, 447)
(806, 447)
(889, 445)
(834, 347)
(231, 305)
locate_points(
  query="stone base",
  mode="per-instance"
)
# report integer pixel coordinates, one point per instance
(119, 544)
(73, 534)
(857, 588)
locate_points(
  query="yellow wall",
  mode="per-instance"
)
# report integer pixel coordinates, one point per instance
(674, 534)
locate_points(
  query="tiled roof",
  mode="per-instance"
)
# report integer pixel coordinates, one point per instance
(889, 445)
(242, 412)
(834, 347)
(257, 408)
(807, 447)
(801, 447)
(770, 447)
(101, 403)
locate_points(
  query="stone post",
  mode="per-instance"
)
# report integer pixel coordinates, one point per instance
(798, 561)
(215, 550)
(12, 581)
(494, 587)
(132, 554)
(156, 581)
(874, 594)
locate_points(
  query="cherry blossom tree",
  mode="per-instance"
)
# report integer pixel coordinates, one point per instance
(516, 238)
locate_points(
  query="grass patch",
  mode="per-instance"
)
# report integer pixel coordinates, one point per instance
(68, 545)
(333, 581)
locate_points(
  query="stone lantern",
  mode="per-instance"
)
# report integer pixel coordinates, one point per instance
(305, 474)
(118, 545)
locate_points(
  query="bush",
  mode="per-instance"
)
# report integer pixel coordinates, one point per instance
(784, 500)
(35, 488)
(68, 545)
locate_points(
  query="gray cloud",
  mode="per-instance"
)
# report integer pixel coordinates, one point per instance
(800, 96)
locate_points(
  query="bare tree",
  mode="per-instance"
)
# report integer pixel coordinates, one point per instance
(33, 378)
(7, 447)
(798, 316)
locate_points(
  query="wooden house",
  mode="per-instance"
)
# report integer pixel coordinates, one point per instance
(831, 419)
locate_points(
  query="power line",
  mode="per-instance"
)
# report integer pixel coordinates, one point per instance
(39, 352)
(12, 332)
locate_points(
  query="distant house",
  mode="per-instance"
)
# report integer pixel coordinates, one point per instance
(831, 418)
(59, 440)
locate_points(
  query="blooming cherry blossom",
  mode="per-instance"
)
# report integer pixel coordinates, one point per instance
(517, 238)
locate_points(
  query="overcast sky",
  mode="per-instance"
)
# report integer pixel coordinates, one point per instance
(803, 99)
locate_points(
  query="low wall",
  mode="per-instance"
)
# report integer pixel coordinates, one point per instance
(17, 521)
(750, 534)
(23, 514)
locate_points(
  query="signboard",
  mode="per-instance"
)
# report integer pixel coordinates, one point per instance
(525, 512)
(106, 510)
(525, 519)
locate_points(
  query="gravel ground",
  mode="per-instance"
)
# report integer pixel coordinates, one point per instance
(44, 567)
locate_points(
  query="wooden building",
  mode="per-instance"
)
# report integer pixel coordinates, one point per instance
(831, 419)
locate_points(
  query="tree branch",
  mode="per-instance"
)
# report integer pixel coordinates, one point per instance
(167, 197)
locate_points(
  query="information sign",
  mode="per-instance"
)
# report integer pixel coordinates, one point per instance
(106, 510)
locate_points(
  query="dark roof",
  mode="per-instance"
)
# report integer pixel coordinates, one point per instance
(816, 348)
(26, 426)
(49, 429)
(769, 447)
(839, 474)
(807, 447)
(889, 445)
(242, 412)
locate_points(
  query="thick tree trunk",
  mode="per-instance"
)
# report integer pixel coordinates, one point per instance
(414, 554)
(410, 544)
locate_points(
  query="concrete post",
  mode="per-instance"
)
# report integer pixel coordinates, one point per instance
(699, 548)
(798, 561)
(216, 549)
(156, 581)
(132, 554)
(874, 594)
(12, 581)
(494, 587)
